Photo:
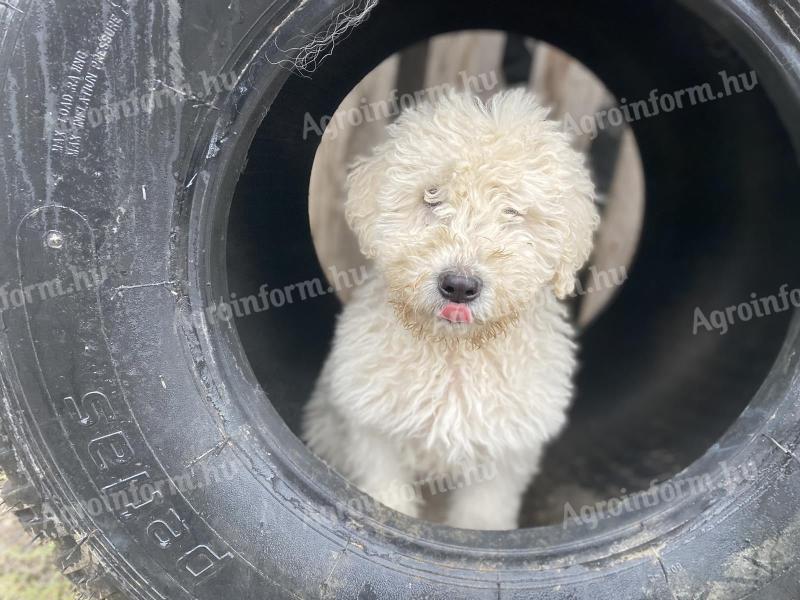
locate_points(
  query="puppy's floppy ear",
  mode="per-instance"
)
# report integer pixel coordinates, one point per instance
(562, 178)
(361, 206)
(578, 223)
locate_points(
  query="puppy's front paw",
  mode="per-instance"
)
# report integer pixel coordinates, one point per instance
(483, 507)
(394, 499)
(481, 518)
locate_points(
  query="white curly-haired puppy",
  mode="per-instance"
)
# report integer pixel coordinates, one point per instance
(455, 354)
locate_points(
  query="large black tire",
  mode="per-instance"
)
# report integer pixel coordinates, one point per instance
(134, 428)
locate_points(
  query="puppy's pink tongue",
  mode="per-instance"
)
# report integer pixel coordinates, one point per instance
(456, 313)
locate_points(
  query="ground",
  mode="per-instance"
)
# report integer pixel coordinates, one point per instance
(27, 571)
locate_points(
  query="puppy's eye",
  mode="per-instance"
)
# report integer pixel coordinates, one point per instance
(511, 212)
(433, 196)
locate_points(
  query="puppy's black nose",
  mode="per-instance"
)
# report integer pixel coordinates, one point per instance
(459, 288)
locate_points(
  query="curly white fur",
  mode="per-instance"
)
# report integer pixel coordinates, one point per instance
(404, 393)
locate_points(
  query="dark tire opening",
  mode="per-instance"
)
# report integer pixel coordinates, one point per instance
(654, 391)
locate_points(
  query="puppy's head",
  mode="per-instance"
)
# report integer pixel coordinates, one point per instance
(469, 210)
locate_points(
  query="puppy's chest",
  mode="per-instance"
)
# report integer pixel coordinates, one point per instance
(455, 405)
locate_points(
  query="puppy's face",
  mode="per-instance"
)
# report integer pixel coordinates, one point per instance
(469, 211)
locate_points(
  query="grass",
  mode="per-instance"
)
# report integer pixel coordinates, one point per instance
(27, 571)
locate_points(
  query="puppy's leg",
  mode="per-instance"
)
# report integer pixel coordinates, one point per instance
(492, 503)
(383, 474)
(367, 459)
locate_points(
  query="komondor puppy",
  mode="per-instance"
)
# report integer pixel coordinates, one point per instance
(456, 355)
